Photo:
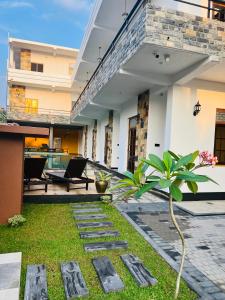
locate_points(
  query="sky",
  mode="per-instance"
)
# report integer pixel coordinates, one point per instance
(60, 22)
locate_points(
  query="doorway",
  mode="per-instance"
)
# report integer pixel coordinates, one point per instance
(132, 134)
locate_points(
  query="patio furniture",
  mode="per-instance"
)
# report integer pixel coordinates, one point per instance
(74, 173)
(33, 172)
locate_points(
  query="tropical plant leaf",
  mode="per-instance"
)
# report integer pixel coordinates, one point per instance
(165, 183)
(195, 155)
(128, 181)
(176, 157)
(176, 193)
(129, 175)
(128, 194)
(193, 187)
(183, 161)
(147, 187)
(178, 182)
(152, 178)
(119, 186)
(167, 159)
(156, 163)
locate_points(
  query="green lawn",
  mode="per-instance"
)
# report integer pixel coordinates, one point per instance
(50, 237)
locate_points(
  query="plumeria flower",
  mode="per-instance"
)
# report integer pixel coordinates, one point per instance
(207, 158)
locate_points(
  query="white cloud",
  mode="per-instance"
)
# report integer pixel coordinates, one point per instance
(15, 4)
(75, 5)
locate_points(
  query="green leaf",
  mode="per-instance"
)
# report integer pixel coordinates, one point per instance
(153, 178)
(167, 159)
(165, 183)
(176, 193)
(129, 175)
(127, 181)
(190, 176)
(147, 187)
(193, 187)
(195, 155)
(178, 182)
(128, 194)
(176, 157)
(183, 161)
(156, 163)
(119, 186)
(190, 166)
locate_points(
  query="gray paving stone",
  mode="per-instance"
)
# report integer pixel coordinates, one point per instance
(88, 210)
(36, 283)
(109, 279)
(94, 225)
(90, 217)
(82, 206)
(74, 283)
(98, 234)
(98, 246)
(141, 275)
(9, 275)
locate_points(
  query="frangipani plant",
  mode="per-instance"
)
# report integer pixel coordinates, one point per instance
(170, 173)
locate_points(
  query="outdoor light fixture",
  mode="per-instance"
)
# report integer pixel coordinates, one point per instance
(197, 109)
(167, 58)
(99, 54)
(125, 13)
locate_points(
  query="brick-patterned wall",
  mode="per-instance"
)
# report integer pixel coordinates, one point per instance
(25, 59)
(220, 115)
(108, 143)
(94, 141)
(17, 95)
(142, 125)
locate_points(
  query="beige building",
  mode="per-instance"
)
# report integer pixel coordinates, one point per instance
(40, 92)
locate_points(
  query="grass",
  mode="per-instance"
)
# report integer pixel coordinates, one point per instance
(50, 237)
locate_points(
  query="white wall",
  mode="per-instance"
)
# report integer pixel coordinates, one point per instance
(115, 140)
(156, 123)
(184, 7)
(128, 110)
(186, 133)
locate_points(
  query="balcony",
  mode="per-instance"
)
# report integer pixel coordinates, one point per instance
(45, 116)
(155, 48)
(38, 79)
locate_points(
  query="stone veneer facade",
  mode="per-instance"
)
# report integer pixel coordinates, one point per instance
(109, 129)
(159, 26)
(94, 141)
(142, 125)
(85, 132)
(25, 59)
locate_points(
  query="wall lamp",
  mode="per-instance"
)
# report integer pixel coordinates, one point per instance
(197, 109)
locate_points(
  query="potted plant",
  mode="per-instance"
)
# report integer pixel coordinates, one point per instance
(169, 173)
(102, 181)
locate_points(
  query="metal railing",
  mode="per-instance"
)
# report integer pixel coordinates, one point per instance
(209, 9)
(37, 111)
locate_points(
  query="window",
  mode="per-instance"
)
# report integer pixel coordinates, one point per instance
(31, 106)
(220, 15)
(220, 143)
(37, 67)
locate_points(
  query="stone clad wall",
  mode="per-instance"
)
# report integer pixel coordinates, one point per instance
(25, 59)
(94, 141)
(142, 125)
(176, 29)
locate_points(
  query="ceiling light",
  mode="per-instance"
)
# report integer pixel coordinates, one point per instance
(167, 58)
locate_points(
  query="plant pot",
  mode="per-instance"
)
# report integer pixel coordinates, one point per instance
(101, 186)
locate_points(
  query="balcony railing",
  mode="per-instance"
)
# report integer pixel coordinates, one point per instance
(28, 114)
(211, 12)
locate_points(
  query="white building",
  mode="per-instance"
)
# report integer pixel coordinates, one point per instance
(153, 70)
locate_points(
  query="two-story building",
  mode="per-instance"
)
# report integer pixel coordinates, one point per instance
(151, 65)
(40, 92)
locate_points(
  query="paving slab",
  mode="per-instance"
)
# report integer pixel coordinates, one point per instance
(99, 246)
(87, 210)
(36, 283)
(74, 284)
(89, 205)
(139, 272)
(10, 269)
(90, 217)
(94, 224)
(98, 234)
(109, 279)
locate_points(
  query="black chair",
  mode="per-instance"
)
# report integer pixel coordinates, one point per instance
(74, 173)
(33, 172)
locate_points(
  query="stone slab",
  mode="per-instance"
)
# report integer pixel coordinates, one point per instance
(141, 275)
(10, 269)
(94, 224)
(90, 217)
(81, 206)
(99, 246)
(98, 234)
(74, 283)
(36, 283)
(109, 279)
(87, 210)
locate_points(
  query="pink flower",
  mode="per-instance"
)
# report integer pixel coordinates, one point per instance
(207, 158)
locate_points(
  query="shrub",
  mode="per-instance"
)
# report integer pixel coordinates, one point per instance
(16, 221)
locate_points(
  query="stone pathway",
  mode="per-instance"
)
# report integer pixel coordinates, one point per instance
(10, 269)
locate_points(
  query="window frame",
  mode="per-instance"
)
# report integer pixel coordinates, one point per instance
(219, 124)
(37, 66)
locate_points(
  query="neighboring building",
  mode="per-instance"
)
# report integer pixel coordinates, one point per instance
(166, 57)
(40, 92)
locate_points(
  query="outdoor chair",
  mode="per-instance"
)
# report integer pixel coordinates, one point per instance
(33, 172)
(74, 174)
